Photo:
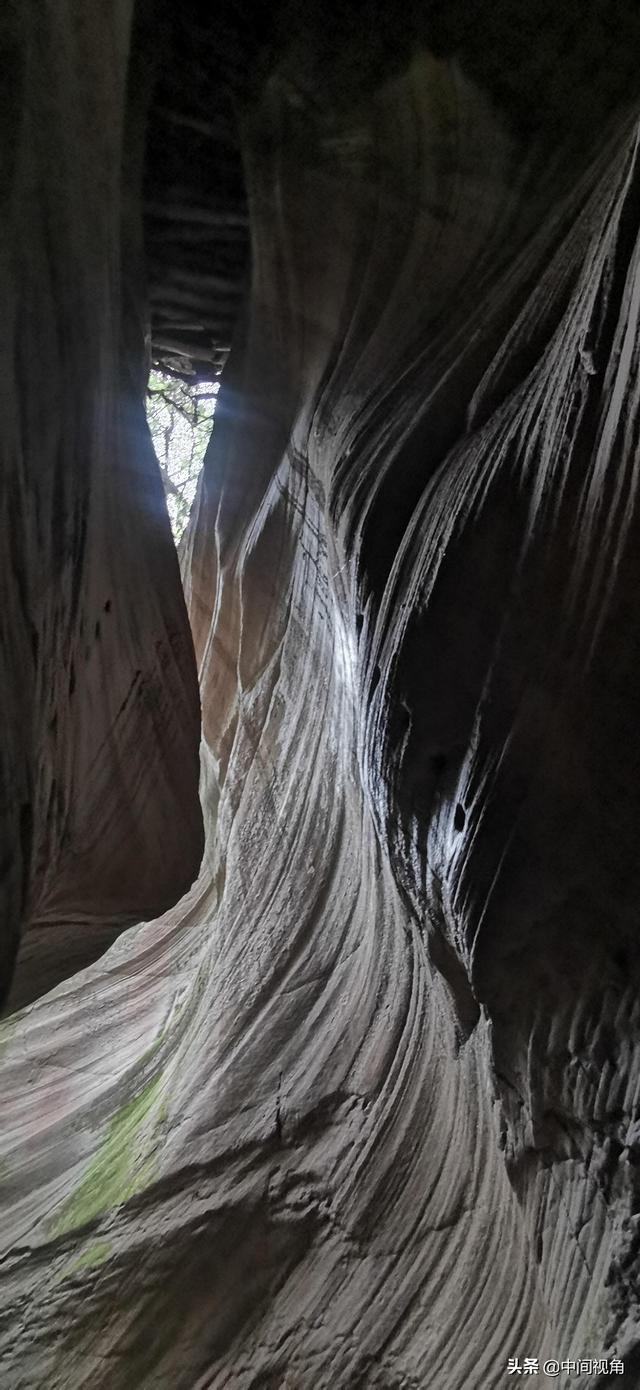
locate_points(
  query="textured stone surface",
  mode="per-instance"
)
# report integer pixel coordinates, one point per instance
(361, 1110)
(100, 730)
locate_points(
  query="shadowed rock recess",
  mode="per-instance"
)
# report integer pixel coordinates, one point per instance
(355, 1101)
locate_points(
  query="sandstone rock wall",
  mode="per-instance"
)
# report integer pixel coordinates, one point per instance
(360, 1110)
(101, 714)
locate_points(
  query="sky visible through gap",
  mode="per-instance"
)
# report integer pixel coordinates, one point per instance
(180, 417)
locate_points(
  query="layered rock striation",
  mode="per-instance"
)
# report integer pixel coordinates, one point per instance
(360, 1109)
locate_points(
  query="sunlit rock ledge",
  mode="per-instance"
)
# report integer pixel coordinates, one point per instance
(360, 1109)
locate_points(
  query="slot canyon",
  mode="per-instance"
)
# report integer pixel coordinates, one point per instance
(320, 938)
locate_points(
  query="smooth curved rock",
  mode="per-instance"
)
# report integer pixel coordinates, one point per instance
(101, 714)
(361, 1109)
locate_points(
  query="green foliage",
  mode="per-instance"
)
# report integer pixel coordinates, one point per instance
(180, 417)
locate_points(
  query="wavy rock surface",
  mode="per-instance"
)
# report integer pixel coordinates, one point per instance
(361, 1110)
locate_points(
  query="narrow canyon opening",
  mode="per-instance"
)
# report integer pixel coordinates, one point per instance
(180, 415)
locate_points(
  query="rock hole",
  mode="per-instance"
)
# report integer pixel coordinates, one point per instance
(459, 818)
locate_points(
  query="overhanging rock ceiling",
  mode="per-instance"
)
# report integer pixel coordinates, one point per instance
(195, 215)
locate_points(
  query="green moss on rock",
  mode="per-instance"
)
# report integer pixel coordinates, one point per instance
(120, 1168)
(92, 1257)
